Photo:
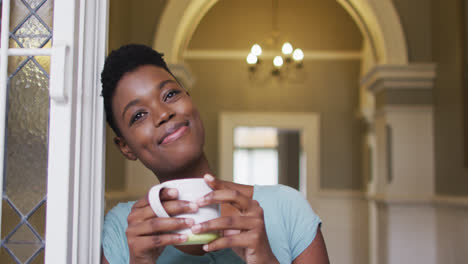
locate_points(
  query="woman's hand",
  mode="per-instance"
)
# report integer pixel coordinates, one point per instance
(147, 234)
(244, 232)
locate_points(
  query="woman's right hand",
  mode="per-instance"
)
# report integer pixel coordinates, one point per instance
(147, 234)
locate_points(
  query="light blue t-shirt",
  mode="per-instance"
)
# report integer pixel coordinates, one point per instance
(290, 222)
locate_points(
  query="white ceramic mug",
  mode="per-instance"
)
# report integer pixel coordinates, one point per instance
(189, 190)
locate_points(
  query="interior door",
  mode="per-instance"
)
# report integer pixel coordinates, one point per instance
(51, 130)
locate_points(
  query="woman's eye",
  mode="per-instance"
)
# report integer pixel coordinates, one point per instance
(137, 117)
(171, 94)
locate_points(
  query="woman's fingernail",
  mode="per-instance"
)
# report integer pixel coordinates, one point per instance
(189, 221)
(209, 178)
(183, 238)
(172, 192)
(200, 200)
(205, 247)
(196, 228)
(193, 207)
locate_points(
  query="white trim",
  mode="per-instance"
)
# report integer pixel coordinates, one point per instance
(59, 210)
(454, 201)
(341, 194)
(30, 52)
(308, 123)
(90, 138)
(437, 200)
(380, 24)
(270, 54)
(3, 89)
(412, 76)
(177, 24)
(76, 137)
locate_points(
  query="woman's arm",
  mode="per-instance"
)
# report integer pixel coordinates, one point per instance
(315, 253)
(103, 259)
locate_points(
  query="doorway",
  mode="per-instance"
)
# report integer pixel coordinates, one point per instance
(269, 137)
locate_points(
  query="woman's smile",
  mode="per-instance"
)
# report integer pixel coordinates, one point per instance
(174, 132)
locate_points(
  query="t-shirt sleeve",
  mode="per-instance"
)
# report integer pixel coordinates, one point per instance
(301, 220)
(114, 240)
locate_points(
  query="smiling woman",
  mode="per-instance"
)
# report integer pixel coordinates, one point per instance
(156, 122)
(151, 112)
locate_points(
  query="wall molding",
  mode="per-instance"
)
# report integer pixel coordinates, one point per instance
(411, 200)
(340, 194)
(412, 76)
(449, 200)
(212, 54)
(434, 200)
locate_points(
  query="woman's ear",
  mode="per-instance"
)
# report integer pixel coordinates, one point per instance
(124, 148)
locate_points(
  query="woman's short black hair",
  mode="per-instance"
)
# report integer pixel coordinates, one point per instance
(121, 61)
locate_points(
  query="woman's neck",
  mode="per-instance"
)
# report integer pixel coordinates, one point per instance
(196, 169)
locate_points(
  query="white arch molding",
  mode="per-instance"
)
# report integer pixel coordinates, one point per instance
(377, 19)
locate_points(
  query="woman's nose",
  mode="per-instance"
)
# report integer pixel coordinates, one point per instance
(163, 114)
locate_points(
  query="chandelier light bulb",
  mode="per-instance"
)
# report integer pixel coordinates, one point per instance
(256, 50)
(251, 59)
(287, 48)
(278, 61)
(298, 55)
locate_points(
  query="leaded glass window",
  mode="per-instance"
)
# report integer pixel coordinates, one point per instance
(26, 134)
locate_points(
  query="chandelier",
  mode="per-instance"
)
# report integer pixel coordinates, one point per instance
(282, 58)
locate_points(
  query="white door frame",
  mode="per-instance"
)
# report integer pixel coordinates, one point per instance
(307, 123)
(75, 181)
(75, 203)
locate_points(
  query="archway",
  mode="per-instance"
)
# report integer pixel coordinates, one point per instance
(377, 20)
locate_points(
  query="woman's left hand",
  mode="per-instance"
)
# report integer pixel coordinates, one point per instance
(244, 232)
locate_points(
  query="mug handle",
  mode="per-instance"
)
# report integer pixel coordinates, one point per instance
(155, 201)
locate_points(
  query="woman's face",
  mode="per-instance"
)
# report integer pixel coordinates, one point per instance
(158, 122)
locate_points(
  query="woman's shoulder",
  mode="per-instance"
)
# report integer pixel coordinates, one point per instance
(284, 200)
(277, 192)
(119, 212)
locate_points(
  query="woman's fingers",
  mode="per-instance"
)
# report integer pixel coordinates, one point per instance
(229, 223)
(214, 183)
(233, 197)
(173, 208)
(141, 213)
(168, 194)
(243, 240)
(156, 225)
(145, 243)
(224, 192)
(177, 207)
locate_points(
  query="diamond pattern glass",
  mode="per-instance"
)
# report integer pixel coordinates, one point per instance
(23, 244)
(32, 34)
(37, 220)
(30, 23)
(26, 141)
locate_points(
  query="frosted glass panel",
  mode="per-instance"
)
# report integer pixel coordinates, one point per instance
(255, 137)
(27, 127)
(24, 193)
(26, 141)
(256, 166)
